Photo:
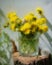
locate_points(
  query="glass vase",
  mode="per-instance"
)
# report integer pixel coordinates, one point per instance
(28, 46)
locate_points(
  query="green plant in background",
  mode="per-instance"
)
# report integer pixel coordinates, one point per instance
(4, 49)
(5, 44)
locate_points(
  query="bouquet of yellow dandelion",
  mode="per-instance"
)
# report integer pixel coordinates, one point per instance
(30, 29)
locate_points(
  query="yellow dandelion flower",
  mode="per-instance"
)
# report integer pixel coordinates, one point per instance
(29, 17)
(11, 14)
(33, 23)
(39, 10)
(45, 28)
(33, 26)
(25, 26)
(13, 19)
(41, 21)
(31, 13)
(33, 30)
(38, 21)
(27, 31)
(40, 29)
(34, 18)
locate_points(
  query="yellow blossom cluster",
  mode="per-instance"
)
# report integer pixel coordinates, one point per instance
(34, 26)
(14, 20)
(30, 25)
(29, 17)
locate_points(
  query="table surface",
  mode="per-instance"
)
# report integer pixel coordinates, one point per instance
(26, 60)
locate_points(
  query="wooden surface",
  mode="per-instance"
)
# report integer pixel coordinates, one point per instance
(40, 60)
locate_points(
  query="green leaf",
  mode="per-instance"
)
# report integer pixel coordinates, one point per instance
(4, 40)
